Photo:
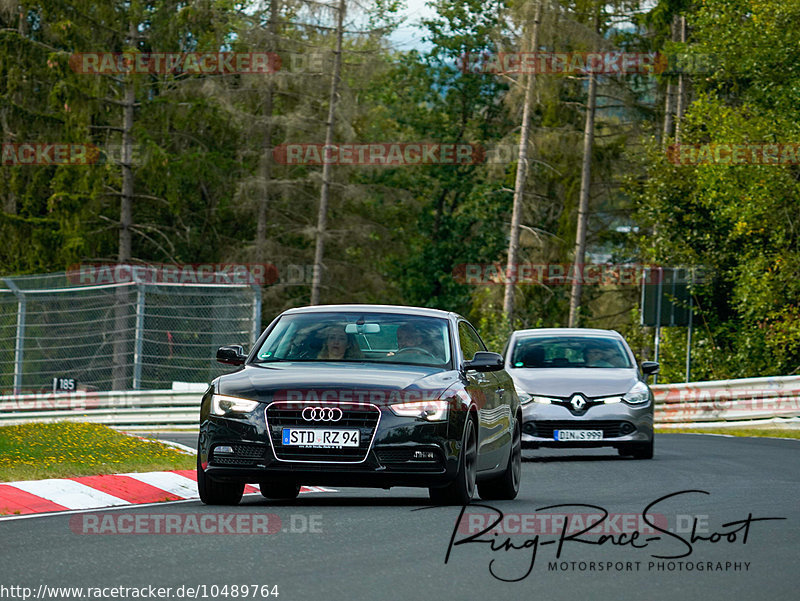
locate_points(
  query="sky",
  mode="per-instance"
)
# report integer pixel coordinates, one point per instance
(408, 36)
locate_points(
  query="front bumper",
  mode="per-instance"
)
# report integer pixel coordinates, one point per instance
(403, 452)
(622, 424)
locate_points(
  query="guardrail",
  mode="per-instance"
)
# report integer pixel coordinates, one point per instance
(152, 408)
(729, 401)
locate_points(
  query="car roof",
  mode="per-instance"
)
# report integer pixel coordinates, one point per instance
(399, 309)
(588, 332)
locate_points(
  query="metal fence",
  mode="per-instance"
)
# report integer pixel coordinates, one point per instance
(128, 335)
(728, 401)
(755, 401)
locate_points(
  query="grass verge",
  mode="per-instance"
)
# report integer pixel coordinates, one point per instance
(67, 449)
(753, 432)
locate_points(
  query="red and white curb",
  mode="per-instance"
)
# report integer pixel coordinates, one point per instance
(95, 492)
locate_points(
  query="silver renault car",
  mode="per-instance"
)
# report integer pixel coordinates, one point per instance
(581, 387)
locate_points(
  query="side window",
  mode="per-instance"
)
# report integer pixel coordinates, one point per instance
(469, 340)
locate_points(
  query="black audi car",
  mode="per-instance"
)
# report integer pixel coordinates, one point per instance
(362, 395)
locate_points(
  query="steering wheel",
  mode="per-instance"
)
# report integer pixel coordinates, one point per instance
(416, 349)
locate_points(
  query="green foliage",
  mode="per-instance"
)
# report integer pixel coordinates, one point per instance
(69, 449)
(396, 235)
(738, 220)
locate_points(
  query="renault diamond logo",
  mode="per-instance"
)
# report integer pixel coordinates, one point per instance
(578, 402)
(322, 414)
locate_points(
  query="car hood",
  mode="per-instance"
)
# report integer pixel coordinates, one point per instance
(564, 382)
(265, 382)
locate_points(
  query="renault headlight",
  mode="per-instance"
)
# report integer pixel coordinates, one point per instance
(638, 394)
(226, 405)
(525, 398)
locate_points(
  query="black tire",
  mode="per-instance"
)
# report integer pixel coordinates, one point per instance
(461, 490)
(217, 493)
(280, 491)
(643, 450)
(506, 486)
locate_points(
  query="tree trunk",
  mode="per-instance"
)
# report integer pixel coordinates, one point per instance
(681, 101)
(669, 100)
(266, 154)
(322, 215)
(121, 308)
(519, 184)
(583, 204)
(583, 207)
(126, 203)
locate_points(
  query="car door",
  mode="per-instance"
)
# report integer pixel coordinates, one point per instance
(482, 387)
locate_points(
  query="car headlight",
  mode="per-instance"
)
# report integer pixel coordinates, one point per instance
(226, 405)
(526, 397)
(638, 394)
(432, 411)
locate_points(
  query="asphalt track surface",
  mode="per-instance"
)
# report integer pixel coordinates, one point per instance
(375, 544)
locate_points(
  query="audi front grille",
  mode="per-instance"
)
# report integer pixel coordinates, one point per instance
(243, 454)
(289, 414)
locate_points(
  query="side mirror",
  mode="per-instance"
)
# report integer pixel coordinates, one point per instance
(485, 361)
(649, 368)
(232, 355)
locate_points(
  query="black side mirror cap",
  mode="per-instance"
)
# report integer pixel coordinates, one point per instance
(231, 355)
(485, 361)
(649, 367)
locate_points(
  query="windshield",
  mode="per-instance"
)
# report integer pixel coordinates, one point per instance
(362, 337)
(566, 351)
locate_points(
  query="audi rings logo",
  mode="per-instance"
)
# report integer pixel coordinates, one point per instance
(322, 414)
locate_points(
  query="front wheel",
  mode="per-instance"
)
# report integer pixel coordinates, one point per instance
(461, 490)
(506, 486)
(217, 493)
(643, 450)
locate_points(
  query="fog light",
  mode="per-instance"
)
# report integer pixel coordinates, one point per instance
(424, 455)
(529, 428)
(626, 428)
(223, 450)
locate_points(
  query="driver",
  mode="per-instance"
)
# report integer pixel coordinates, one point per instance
(596, 357)
(408, 336)
(411, 338)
